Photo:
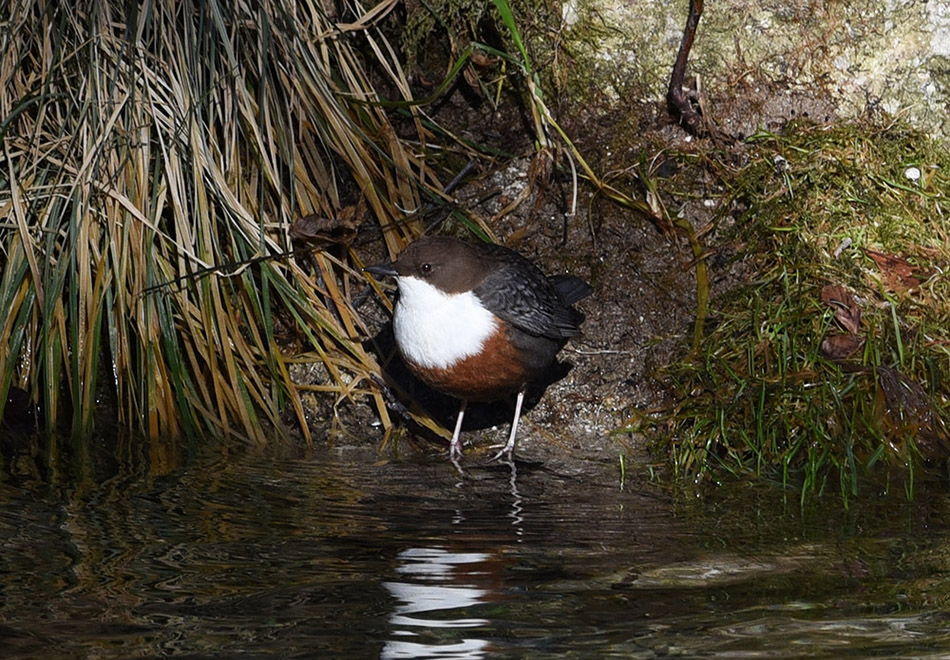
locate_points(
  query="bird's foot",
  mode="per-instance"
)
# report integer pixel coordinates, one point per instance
(458, 466)
(506, 452)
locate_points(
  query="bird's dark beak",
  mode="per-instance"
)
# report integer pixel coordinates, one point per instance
(381, 270)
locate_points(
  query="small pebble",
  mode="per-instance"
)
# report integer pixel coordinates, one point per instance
(844, 245)
(912, 173)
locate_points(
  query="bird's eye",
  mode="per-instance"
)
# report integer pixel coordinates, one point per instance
(426, 268)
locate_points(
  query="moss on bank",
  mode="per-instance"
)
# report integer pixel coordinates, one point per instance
(829, 362)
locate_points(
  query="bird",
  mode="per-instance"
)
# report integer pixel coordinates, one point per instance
(479, 321)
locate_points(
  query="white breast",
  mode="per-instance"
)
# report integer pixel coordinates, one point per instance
(435, 329)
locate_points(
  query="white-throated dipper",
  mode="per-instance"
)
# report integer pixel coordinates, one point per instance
(479, 321)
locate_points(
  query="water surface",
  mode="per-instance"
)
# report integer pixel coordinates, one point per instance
(336, 553)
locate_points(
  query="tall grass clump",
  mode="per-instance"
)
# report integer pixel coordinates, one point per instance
(827, 368)
(149, 148)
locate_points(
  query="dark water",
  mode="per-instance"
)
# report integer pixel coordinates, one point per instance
(336, 554)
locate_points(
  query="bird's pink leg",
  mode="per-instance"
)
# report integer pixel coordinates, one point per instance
(509, 447)
(455, 447)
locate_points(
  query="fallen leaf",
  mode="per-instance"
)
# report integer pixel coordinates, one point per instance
(847, 312)
(898, 273)
(909, 408)
(483, 60)
(840, 346)
(315, 229)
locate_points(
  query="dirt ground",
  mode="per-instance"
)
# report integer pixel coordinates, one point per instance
(641, 314)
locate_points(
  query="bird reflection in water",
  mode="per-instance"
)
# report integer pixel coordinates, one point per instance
(438, 588)
(437, 592)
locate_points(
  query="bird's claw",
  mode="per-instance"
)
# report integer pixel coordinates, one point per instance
(507, 452)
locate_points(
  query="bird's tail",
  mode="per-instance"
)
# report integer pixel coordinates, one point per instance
(571, 288)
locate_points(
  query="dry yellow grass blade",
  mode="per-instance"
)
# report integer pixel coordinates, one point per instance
(155, 151)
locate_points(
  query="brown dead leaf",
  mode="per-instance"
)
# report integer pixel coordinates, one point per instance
(847, 312)
(840, 346)
(897, 272)
(483, 60)
(318, 230)
(909, 408)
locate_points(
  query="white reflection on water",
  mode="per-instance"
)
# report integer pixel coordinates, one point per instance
(437, 580)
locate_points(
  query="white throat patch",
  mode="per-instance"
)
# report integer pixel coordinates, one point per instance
(435, 329)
